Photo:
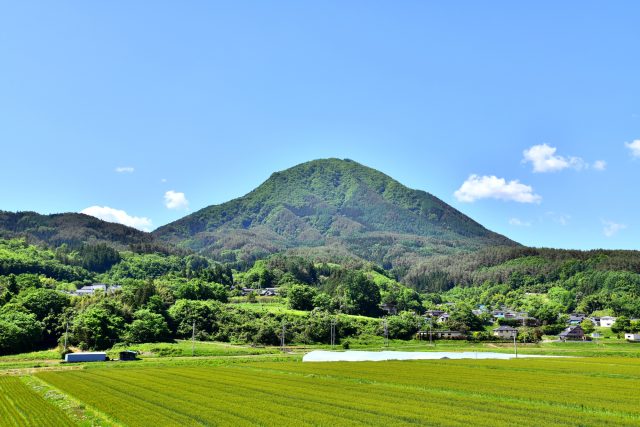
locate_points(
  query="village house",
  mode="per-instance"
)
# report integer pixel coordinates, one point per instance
(434, 313)
(572, 333)
(505, 332)
(449, 335)
(607, 321)
(498, 314)
(443, 318)
(96, 287)
(632, 337)
(576, 318)
(390, 308)
(446, 335)
(266, 292)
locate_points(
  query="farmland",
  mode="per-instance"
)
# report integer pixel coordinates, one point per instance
(240, 385)
(21, 406)
(440, 392)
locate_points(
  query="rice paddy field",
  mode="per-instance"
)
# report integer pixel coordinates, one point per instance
(272, 390)
(21, 406)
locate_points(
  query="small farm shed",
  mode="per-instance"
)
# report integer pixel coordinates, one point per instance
(128, 355)
(632, 337)
(85, 357)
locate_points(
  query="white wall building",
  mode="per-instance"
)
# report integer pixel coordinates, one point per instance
(607, 321)
(632, 337)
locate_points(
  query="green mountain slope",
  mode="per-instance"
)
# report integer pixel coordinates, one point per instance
(74, 229)
(331, 208)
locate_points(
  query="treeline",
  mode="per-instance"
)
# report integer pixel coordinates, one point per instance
(159, 297)
(543, 280)
(33, 316)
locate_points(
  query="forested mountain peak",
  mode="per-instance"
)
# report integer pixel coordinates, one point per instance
(331, 208)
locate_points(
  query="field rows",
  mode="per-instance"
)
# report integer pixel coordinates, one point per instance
(567, 383)
(397, 393)
(20, 406)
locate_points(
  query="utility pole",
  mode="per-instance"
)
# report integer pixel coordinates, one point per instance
(515, 346)
(193, 340)
(386, 333)
(431, 331)
(282, 338)
(66, 334)
(333, 333)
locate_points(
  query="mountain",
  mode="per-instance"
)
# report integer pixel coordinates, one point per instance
(331, 208)
(73, 229)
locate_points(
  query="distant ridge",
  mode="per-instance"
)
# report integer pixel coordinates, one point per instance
(73, 229)
(331, 208)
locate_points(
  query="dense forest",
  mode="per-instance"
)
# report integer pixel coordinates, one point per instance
(159, 296)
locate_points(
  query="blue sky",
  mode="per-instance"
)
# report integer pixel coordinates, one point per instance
(524, 117)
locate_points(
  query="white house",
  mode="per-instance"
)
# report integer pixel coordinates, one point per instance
(632, 337)
(607, 321)
(96, 287)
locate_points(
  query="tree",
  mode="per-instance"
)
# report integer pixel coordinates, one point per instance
(197, 289)
(147, 327)
(463, 314)
(19, 331)
(47, 305)
(98, 327)
(99, 258)
(301, 297)
(359, 295)
(323, 301)
(587, 326)
(43, 302)
(621, 325)
(206, 315)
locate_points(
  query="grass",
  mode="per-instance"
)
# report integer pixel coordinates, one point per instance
(185, 348)
(34, 355)
(442, 392)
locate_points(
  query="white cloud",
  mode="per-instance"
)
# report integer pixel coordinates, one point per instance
(175, 200)
(634, 147)
(163, 180)
(519, 223)
(125, 169)
(106, 213)
(544, 159)
(600, 165)
(611, 228)
(491, 187)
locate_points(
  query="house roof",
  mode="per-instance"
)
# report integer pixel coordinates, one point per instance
(504, 328)
(572, 330)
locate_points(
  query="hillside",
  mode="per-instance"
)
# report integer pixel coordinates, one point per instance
(73, 229)
(331, 209)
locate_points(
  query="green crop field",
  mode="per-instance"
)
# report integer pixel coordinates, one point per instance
(21, 406)
(580, 391)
